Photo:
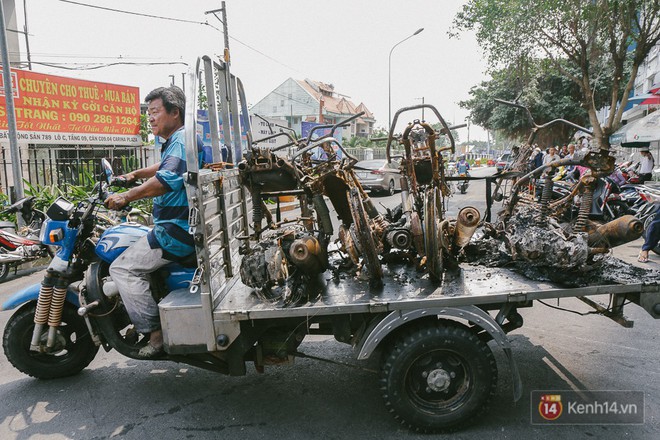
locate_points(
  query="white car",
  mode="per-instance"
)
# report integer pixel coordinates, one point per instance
(379, 175)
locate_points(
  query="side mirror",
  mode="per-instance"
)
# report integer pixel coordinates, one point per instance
(106, 171)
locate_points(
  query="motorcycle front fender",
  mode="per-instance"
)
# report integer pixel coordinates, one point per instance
(31, 293)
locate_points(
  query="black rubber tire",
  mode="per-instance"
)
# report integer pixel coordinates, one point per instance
(52, 250)
(463, 187)
(391, 188)
(4, 271)
(429, 350)
(74, 356)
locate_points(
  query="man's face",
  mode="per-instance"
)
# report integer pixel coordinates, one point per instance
(571, 149)
(163, 124)
(552, 151)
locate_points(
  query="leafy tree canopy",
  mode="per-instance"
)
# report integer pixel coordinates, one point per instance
(590, 42)
(537, 84)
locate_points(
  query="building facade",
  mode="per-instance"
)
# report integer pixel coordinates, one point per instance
(298, 101)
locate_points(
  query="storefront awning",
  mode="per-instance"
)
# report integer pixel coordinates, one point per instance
(639, 133)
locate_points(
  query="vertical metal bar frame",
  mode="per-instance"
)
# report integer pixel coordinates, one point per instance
(235, 123)
(228, 109)
(248, 132)
(209, 81)
(224, 110)
(196, 207)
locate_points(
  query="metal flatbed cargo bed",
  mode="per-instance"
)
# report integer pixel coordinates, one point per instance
(224, 208)
(405, 290)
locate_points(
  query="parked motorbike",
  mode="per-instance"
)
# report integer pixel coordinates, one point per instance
(18, 246)
(607, 202)
(464, 184)
(61, 322)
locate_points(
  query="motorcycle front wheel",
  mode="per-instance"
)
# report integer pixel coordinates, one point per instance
(73, 351)
(4, 271)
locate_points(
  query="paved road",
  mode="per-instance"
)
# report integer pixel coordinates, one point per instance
(127, 399)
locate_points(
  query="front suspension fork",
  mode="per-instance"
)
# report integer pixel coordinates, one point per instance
(50, 305)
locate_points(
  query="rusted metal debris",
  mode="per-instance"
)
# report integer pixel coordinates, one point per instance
(281, 257)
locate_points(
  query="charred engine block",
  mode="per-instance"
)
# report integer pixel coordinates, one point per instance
(283, 258)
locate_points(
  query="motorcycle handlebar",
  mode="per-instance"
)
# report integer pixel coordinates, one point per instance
(333, 127)
(122, 182)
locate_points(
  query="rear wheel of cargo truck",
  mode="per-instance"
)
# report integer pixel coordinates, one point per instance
(437, 376)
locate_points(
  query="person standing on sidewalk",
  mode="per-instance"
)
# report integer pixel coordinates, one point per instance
(646, 165)
(651, 241)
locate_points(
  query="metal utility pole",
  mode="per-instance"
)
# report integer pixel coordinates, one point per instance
(225, 31)
(488, 134)
(14, 151)
(27, 40)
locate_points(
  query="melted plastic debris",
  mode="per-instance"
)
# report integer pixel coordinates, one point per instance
(527, 239)
(606, 270)
(542, 251)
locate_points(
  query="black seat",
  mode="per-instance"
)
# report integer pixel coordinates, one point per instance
(189, 261)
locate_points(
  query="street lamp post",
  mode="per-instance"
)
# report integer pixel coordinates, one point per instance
(422, 99)
(389, 76)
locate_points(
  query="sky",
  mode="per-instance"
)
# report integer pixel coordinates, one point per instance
(343, 42)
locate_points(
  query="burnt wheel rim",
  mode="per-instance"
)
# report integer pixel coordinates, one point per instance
(438, 381)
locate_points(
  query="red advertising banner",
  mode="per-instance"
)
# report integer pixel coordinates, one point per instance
(57, 110)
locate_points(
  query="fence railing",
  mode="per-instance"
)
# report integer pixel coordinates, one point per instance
(81, 172)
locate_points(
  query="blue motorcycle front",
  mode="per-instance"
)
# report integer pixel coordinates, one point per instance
(60, 323)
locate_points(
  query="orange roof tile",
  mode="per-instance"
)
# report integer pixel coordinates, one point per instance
(332, 104)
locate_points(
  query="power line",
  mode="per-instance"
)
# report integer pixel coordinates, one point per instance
(182, 21)
(137, 13)
(267, 56)
(91, 57)
(88, 66)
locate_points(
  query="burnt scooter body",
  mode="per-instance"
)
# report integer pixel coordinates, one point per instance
(18, 247)
(298, 251)
(435, 239)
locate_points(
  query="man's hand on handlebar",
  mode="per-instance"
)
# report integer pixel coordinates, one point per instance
(116, 201)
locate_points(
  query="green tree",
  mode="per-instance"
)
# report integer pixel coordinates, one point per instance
(145, 128)
(590, 42)
(547, 93)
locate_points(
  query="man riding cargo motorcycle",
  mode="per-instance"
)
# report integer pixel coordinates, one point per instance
(169, 240)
